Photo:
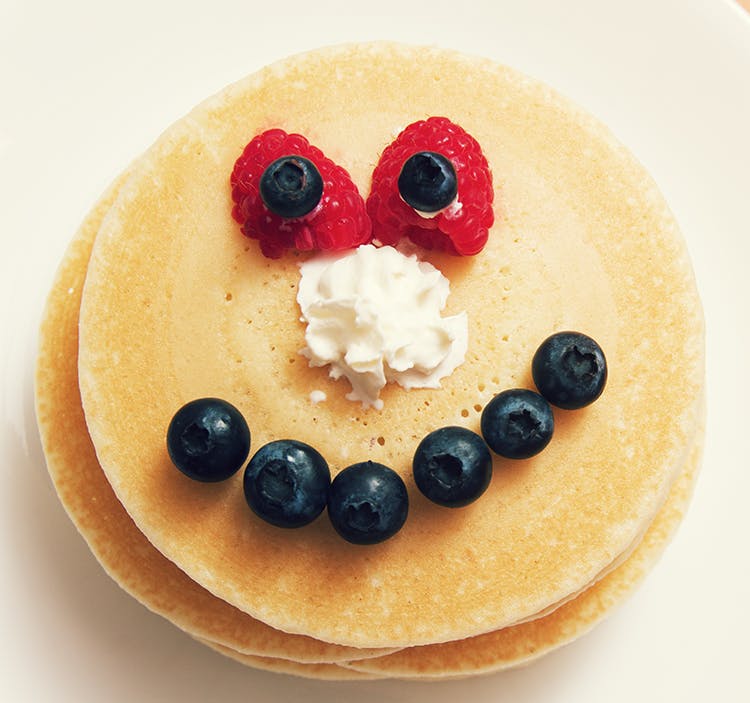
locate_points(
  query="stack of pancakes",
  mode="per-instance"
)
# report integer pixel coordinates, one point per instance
(160, 300)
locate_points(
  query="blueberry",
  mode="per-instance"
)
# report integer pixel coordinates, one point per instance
(368, 503)
(291, 186)
(569, 370)
(517, 423)
(452, 466)
(286, 483)
(208, 439)
(428, 181)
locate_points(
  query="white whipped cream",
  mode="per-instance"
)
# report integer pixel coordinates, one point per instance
(373, 315)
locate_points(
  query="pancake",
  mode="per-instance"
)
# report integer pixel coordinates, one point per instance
(177, 304)
(141, 570)
(126, 555)
(153, 580)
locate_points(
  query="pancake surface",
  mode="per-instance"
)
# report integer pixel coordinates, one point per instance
(178, 304)
(141, 570)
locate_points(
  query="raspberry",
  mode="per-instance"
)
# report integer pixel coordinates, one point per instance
(461, 228)
(339, 221)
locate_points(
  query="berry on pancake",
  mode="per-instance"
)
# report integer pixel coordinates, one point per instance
(279, 200)
(414, 195)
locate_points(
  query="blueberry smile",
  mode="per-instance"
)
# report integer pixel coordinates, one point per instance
(288, 483)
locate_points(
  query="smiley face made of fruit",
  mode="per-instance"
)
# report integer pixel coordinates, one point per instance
(432, 187)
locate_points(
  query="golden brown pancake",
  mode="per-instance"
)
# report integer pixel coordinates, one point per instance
(177, 304)
(147, 575)
(155, 581)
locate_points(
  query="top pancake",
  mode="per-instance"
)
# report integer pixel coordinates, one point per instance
(178, 304)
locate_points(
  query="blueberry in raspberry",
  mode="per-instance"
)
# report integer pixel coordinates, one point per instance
(340, 220)
(368, 503)
(569, 370)
(428, 182)
(286, 483)
(291, 186)
(452, 466)
(208, 439)
(517, 423)
(462, 230)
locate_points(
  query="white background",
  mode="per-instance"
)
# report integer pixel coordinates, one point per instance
(86, 86)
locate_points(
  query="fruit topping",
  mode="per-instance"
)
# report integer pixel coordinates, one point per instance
(286, 483)
(452, 466)
(461, 226)
(291, 186)
(569, 370)
(427, 182)
(208, 439)
(338, 219)
(517, 423)
(368, 503)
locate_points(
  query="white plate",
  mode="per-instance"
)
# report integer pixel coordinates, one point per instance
(85, 88)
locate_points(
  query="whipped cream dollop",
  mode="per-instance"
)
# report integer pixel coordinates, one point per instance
(374, 315)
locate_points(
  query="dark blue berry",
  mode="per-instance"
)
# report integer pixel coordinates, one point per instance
(452, 466)
(428, 181)
(368, 503)
(286, 483)
(291, 186)
(569, 370)
(208, 439)
(517, 423)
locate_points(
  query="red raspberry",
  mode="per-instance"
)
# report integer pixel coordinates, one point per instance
(339, 221)
(461, 228)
